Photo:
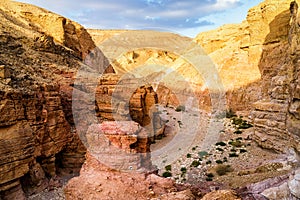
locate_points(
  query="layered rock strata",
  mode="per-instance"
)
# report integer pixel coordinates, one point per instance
(276, 114)
(39, 54)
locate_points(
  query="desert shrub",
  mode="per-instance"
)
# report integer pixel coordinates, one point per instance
(208, 162)
(236, 143)
(168, 168)
(219, 161)
(210, 175)
(233, 155)
(188, 155)
(225, 159)
(243, 150)
(209, 179)
(202, 154)
(183, 169)
(223, 169)
(237, 121)
(240, 123)
(245, 125)
(238, 132)
(180, 108)
(230, 113)
(195, 163)
(180, 123)
(167, 174)
(219, 149)
(220, 144)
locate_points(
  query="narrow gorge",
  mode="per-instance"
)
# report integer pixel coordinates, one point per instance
(126, 114)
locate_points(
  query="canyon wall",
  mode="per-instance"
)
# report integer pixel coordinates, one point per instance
(276, 115)
(257, 60)
(39, 54)
(237, 50)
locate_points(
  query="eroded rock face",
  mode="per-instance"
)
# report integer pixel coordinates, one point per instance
(120, 145)
(97, 181)
(221, 194)
(64, 31)
(127, 100)
(39, 53)
(276, 114)
(237, 50)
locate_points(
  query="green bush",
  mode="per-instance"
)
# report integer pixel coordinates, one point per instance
(210, 175)
(195, 163)
(180, 108)
(237, 121)
(167, 174)
(236, 143)
(219, 149)
(233, 155)
(223, 169)
(208, 162)
(202, 154)
(188, 155)
(238, 132)
(230, 114)
(183, 169)
(245, 125)
(180, 123)
(209, 179)
(168, 168)
(243, 150)
(220, 144)
(219, 161)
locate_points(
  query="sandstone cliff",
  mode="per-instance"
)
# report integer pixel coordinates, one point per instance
(237, 50)
(257, 62)
(40, 52)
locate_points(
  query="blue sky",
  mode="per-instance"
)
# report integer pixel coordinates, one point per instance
(186, 17)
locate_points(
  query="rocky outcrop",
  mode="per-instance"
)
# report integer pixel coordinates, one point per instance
(237, 50)
(120, 145)
(257, 60)
(276, 114)
(287, 190)
(281, 187)
(126, 100)
(39, 54)
(63, 30)
(97, 181)
(221, 194)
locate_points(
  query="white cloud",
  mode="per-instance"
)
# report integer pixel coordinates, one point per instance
(139, 14)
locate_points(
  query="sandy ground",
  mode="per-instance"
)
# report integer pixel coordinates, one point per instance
(188, 135)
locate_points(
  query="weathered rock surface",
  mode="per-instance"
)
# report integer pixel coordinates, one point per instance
(173, 78)
(96, 181)
(63, 31)
(39, 54)
(237, 50)
(276, 114)
(120, 145)
(221, 194)
(125, 99)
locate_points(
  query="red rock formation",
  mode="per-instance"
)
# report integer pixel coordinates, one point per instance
(39, 54)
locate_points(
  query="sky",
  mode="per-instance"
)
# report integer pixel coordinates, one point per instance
(185, 17)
